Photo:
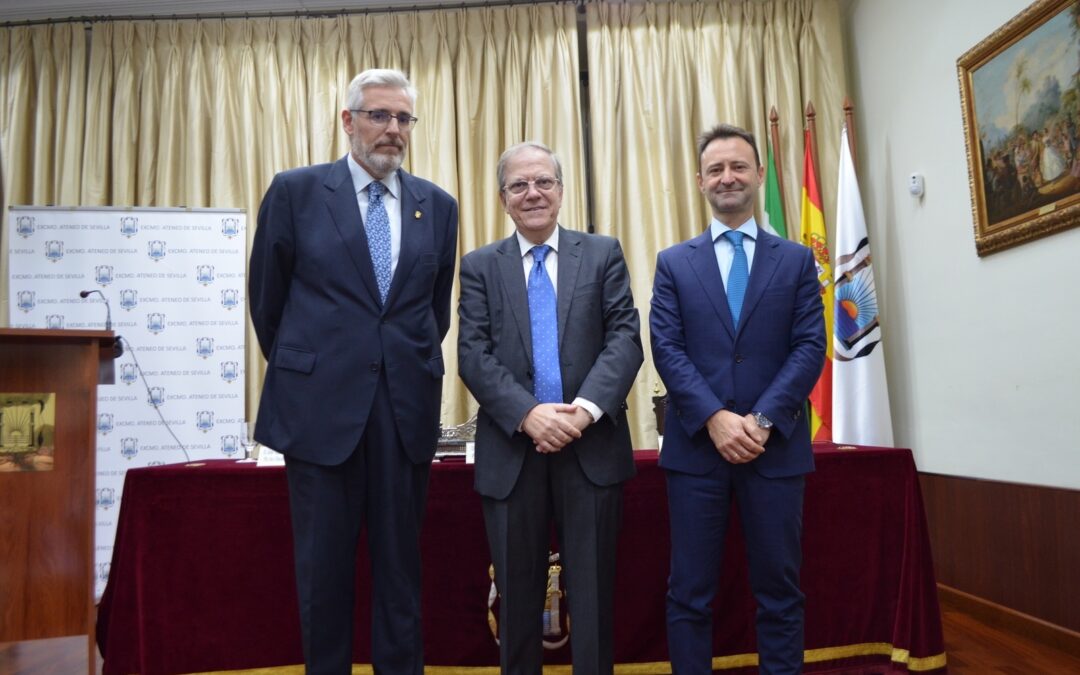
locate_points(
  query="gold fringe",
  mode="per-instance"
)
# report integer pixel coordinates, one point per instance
(914, 664)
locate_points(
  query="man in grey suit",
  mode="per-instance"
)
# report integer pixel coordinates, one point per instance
(549, 345)
(349, 291)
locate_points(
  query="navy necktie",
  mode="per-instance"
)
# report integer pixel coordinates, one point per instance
(737, 276)
(544, 323)
(377, 226)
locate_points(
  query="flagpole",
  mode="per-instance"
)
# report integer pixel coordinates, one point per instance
(811, 126)
(774, 134)
(849, 124)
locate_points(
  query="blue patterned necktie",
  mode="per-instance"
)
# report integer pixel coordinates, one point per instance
(544, 322)
(737, 276)
(377, 226)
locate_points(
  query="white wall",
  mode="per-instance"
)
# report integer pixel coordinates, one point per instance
(983, 354)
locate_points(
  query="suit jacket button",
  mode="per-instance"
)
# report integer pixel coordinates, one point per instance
(738, 358)
(374, 367)
(730, 405)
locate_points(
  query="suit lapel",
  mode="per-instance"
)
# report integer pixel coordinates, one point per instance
(766, 260)
(569, 265)
(341, 202)
(415, 223)
(703, 261)
(508, 258)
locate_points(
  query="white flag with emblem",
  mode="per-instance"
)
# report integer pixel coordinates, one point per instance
(860, 391)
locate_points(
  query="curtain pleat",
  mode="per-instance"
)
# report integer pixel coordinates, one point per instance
(149, 74)
(203, 113)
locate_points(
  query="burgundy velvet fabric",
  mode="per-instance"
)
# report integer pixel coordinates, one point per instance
(202, 574)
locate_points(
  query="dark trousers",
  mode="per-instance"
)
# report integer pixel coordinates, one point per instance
(587, 519)
(377, 486)
(771, 513)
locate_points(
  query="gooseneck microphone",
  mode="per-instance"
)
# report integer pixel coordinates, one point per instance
(119, 351)
(108, 310)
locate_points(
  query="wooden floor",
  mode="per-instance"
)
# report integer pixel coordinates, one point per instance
(58, 656)
(973, 647)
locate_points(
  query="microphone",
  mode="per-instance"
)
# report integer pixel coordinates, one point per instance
(108, 310)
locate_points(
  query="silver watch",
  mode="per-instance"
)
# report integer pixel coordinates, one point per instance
(762, 421)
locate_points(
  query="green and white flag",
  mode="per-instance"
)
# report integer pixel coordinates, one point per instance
(774, 205)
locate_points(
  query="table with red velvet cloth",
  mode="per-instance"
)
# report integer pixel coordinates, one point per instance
(202, 575)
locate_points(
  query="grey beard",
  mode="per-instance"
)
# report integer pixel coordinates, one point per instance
(384, 164)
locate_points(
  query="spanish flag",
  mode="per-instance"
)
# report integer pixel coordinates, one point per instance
(813, 236)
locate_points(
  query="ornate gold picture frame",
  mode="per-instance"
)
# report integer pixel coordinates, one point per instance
(1020, 93)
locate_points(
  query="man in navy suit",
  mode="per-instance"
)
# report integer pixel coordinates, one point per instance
(349, 289)
(549, 345)
(738, 337)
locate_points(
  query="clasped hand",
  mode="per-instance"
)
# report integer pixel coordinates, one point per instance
(738, 439)
(553, 425)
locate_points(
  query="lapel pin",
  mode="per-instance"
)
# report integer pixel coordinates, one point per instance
(417, 215)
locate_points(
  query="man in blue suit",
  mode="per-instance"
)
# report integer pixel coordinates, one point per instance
(349, 290)
(738, 337)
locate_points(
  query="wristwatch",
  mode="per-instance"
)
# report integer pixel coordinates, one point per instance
(762, 421)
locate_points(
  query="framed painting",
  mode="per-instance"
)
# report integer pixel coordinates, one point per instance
(1020, 93)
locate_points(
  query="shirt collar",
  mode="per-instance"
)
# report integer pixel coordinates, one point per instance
(525, 245)
(361, 178)
(749, 228)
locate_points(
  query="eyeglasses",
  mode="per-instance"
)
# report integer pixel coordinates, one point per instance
(543, 183)
(382, 118)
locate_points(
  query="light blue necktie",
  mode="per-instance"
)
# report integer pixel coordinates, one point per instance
(737, 276)
(377, 226)
(544, 322)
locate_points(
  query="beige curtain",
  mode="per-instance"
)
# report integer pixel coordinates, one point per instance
(203, 113)
(660, 73)
(42, 94)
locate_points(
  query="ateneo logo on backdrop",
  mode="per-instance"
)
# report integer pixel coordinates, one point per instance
(24, 226)
(129, 447)
(103, 274)
(230, 445)
(230, 297)
(204, 347)
(155, 322)
(156, 250)
(204, 274)
(25, 300)
(230, 370)
(54, 321)
(127, 373)
(129, 226)
(230, 227)
(204, 420)
(106, 498)
(156, 397)
(104, 422)
(129, 298)
(54, 250)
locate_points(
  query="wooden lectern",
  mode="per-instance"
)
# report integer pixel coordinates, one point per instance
(47, 517)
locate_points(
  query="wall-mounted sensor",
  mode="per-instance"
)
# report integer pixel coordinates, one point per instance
(916, 185)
